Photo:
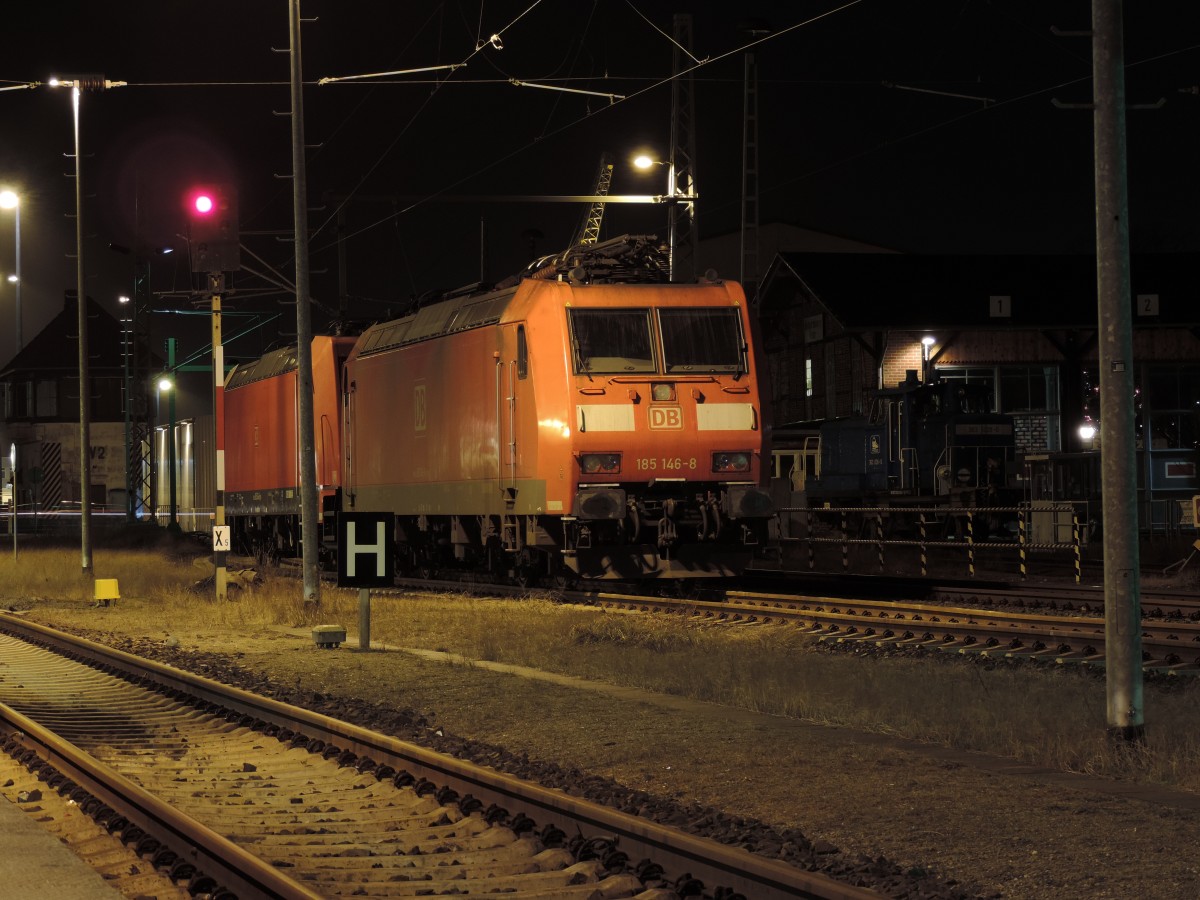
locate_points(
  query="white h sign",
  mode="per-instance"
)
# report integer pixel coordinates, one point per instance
(353, 548)
(376, 530)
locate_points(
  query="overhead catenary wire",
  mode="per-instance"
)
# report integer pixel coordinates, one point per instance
(508, 156)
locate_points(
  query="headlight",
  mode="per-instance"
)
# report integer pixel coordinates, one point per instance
(599, 503)
(662, 391)
(600, 463)
(745, 501)
(731, 461)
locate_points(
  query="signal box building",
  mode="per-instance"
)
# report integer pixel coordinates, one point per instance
(838, 326)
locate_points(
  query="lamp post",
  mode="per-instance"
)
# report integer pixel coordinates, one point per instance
(644, 163)
(167, 384)
(678, 230)
(12, 460)
(77, 86)
(10, 200)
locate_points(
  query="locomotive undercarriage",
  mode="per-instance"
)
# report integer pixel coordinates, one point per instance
(612, 533)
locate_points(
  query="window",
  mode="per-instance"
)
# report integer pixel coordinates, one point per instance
(974, 376)
(808, 378)
(47, 399)
(1028, 387)
(611, 341)
(106, 393)
(1173, 398)
(1027, 393)
(702, 340)
(21, 395)
(522, 353)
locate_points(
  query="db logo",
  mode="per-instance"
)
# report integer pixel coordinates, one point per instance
(666, 417)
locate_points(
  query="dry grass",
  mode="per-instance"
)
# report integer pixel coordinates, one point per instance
(1043, 715)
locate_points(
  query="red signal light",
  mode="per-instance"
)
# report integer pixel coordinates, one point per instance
(212, 214)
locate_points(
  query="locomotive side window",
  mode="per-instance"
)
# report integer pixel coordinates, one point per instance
(702, 340)
(522, 353)
(611, 341)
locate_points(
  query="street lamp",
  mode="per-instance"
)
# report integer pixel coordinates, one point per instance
(12, 461)
(926, 342)
(680, 212)
(166, 384)
(1087, 432)
(10, 200)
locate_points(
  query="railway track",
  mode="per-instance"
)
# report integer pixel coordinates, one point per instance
(1169, 645)
(242, 796)
(994, 625)
(1085, 600)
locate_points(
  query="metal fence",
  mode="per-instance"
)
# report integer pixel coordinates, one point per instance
(1048, 530)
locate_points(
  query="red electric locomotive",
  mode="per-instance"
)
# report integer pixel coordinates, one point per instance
(262, 445)
(588, 420)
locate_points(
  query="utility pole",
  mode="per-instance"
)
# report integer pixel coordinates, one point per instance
(77, 86)
(85, 398)
(1122, 600)
(681, 166)
(310, 534)
(172, 465)
(141, 434)
(749, 267)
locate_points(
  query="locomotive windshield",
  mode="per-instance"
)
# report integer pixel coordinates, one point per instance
(611, 341)
(702, 340)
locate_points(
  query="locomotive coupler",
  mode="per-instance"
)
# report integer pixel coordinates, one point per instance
(667, 533)
(710, 518)
(634, 519)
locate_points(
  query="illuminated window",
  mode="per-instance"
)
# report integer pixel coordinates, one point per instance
(808, 378)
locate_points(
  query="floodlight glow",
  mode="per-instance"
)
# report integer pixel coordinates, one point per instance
(9, 200)
(643, 161)
(165, 384)
(203, 204)
(1087, 431)
(929, 340)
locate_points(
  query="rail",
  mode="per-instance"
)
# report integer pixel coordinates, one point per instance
(728, 870)
(1026, 529)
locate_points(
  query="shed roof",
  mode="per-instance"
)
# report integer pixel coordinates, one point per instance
(56, 348)
(870, 291)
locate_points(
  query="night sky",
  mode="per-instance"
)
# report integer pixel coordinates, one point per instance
(923, 126)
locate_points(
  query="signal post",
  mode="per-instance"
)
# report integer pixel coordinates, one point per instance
(216, 249)
(216, 285)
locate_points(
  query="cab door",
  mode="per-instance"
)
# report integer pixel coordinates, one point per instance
(517, 418)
